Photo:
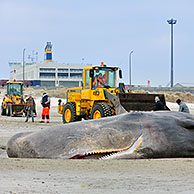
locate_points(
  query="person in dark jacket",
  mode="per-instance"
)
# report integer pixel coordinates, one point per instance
(29, 108)
(158, 104)
(45, 102)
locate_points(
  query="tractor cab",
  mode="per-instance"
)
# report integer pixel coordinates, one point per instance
(14, 88)
(100, 77)
(103, 77)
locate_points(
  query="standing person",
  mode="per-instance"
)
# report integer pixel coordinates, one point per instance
(29, 108)
(158, 104)
(182, 106)
(45, 102)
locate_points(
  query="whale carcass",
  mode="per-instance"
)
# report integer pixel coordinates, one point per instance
(130, 135)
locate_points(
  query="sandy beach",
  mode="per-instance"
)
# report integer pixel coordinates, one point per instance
(87, 176)
(94, 176)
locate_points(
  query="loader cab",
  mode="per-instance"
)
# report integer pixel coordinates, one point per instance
(14, 89)
(101, 77)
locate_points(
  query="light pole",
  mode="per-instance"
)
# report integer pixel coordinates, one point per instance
(23, 64)
(130, 67)
(171, 22)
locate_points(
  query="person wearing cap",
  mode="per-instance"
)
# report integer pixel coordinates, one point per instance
(45, 102)
(29, 108)
(158, 104)
(182, 106)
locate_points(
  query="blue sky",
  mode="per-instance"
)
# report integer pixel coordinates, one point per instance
(102, 30)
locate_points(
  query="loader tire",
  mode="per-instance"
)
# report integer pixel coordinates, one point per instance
(3, 111)
(8, 110)
(69, 113)
(101, 110)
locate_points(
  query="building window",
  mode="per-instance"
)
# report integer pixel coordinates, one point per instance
(76, 75)
(47, 75)
(76, 70)
(62, 75)
(47, 69)
(62, 69)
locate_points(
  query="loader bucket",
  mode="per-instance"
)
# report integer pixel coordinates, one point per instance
(127, 102)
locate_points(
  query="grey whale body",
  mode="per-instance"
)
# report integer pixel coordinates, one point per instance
(160, 134)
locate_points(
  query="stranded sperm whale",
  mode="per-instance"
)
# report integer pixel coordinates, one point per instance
(126, 136)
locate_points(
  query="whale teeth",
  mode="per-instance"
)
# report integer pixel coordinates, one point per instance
(108, 156)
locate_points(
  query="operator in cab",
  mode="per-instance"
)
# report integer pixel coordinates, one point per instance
(99, 80)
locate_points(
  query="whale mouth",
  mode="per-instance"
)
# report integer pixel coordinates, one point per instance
(95, 154)
(110, 154)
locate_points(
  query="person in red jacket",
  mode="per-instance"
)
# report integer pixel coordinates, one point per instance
(99, 81)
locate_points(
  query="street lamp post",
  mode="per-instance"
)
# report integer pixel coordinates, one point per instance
(171, 22)
(130, 54)
(23, 64)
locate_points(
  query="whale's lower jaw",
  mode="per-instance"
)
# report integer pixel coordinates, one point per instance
(111, 154)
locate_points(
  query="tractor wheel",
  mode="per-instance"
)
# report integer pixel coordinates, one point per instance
(8, 110)
(3, 111)
(69, 113)
(101, 110)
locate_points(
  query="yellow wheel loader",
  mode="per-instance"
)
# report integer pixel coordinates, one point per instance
(13, 102)
(100, 96)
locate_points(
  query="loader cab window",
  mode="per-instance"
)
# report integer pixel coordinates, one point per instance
(104, 78)
(14, 89)
(87, 79)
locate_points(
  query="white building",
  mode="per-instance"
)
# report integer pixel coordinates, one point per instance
(49, 74)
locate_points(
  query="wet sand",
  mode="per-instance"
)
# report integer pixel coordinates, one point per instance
(22, 176)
